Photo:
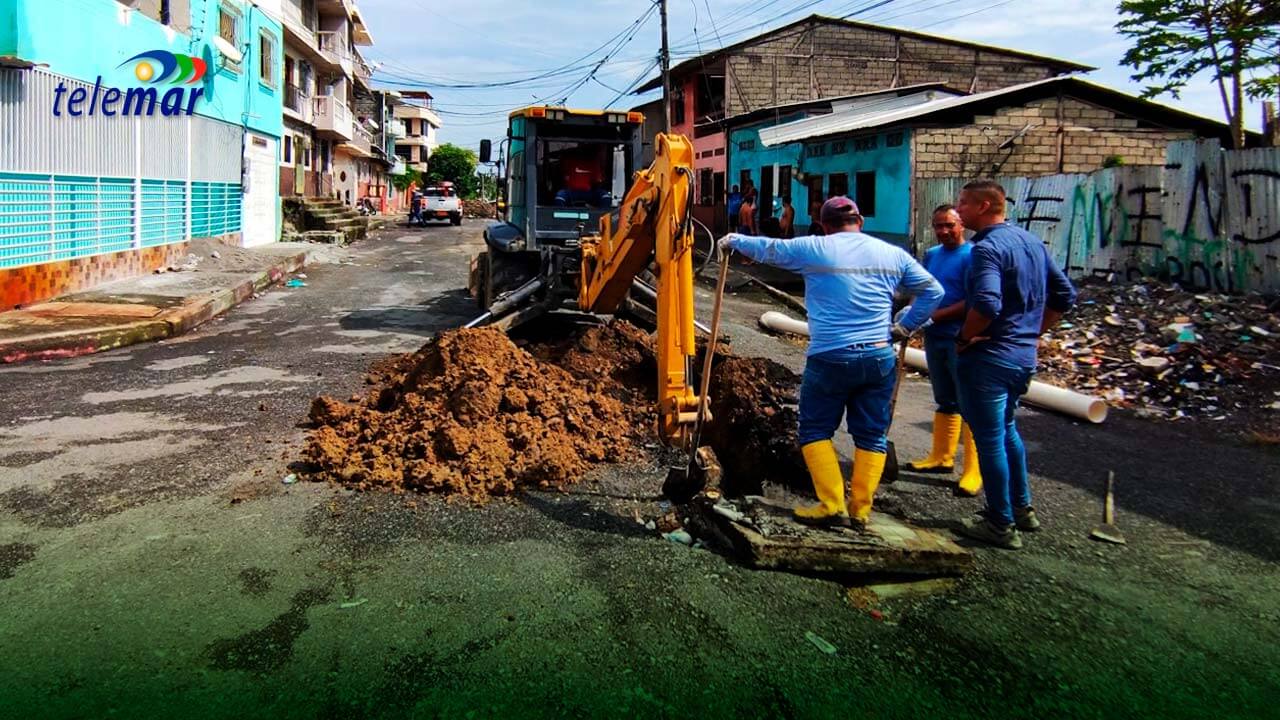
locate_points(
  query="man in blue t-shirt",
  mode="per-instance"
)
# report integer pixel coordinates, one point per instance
(948, 262)
(1014, 293)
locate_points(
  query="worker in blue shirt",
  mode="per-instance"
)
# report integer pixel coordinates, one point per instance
(850, 280)
(948, 261)
(1014, 293)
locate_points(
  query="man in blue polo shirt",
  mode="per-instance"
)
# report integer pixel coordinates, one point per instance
(1014, 293)
(850, 280)
(948, 261)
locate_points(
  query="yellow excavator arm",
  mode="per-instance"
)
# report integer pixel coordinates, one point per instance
(654, 221)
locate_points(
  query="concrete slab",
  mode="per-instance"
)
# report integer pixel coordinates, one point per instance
(763, 532)
(94, 309)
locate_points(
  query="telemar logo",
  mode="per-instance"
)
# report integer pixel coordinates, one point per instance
(152, 67)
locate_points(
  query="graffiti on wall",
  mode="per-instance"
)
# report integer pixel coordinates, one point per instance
(1208, 220)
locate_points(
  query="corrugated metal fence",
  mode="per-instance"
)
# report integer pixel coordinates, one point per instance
(1208, 220)
(77, 186)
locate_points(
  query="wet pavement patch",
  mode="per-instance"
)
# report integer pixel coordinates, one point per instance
(255, 581)
(14, 555)
(271, 646)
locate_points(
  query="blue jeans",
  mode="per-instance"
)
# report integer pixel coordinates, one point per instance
(940, 354)
(989, 394)
(853, 381)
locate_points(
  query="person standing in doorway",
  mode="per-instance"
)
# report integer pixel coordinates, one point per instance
(747, 214)
(787, 222)
(734, 203)
(1013, 294)
(948, 261)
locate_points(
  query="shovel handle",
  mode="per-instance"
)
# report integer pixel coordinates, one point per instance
(1109, 505)
(897, 383)
(704, 385)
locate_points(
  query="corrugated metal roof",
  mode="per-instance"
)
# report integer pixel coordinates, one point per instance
(871, 116)
(855, 115)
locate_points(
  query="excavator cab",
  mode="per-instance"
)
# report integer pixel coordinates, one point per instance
(562, 170)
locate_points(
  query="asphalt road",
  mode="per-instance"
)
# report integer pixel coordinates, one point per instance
(153, 564)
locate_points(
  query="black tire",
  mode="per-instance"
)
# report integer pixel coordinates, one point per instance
(455, 219)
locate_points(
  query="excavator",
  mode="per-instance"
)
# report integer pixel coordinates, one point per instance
(573, 236)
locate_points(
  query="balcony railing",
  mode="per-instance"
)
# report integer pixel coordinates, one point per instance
(295, 98)
(363, 138)
(333, 46)
(333, 116)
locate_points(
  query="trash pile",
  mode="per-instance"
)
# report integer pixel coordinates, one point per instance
(1170, 353)
(470, 415)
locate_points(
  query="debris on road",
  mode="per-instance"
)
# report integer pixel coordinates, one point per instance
(679, 537)
(1169, 353)
(295, 283)
(290, 479)
(819, 642)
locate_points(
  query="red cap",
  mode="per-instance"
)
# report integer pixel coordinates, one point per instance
(838, 212)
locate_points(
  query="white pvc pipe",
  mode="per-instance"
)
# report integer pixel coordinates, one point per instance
(1050, 397)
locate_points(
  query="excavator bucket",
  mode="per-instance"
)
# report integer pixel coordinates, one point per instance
(684, 482)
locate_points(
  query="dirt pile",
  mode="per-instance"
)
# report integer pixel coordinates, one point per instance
(754, 403)
(1171, 353)
(475, 415)
(471, 414)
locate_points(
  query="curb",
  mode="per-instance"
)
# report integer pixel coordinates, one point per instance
(171, 323)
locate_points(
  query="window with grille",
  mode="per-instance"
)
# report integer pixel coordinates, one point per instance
(747, 145)
(704, 187)
(893, 140)
(229, 30)
(866, 143)
(838, 148)
(267, 59)
(816, 150)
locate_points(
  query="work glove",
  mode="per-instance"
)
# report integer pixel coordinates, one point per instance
(900, 333)
(725, 244)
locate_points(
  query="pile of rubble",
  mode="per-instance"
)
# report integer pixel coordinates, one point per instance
(1170, 353)
(478, 209)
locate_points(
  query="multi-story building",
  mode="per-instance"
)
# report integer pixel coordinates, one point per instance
(419, 125)
(328, 147)
(128, 128)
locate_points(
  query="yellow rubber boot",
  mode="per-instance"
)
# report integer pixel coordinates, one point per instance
(942, 458)
(867, 468)
(828, 482)
(970, 477)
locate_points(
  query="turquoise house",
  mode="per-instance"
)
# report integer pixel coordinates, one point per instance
(789, 152)
(129, 130)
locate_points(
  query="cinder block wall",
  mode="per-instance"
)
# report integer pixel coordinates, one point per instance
(1089, 134)
(822, 60)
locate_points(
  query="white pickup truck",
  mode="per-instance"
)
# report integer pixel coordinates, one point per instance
(441, 202)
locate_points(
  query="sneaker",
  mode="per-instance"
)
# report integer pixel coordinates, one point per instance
(1026, 520)
(984, 530)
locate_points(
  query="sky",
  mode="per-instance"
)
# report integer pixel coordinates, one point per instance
(421, 44)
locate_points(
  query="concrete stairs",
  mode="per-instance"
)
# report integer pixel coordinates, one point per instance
(332, 216)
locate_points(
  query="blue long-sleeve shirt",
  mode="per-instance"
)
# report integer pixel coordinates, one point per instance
(1012, 279)
(849, 283)
(951, 268)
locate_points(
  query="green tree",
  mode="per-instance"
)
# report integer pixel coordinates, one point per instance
(1175, 40)
(456, 165)
(410, 177)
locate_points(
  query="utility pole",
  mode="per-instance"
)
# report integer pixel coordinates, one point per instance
(666, 70)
